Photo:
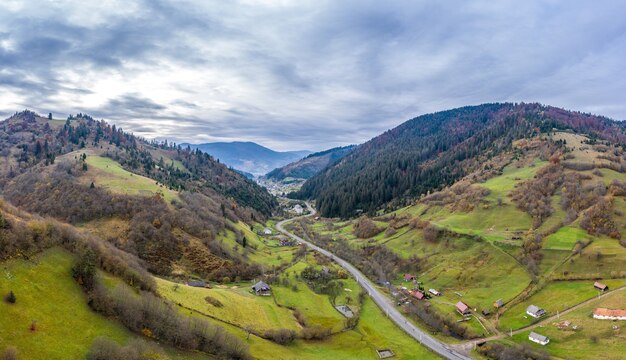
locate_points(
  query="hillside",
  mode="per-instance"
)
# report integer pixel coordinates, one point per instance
(432, 151)
(310, 165)
(248, 157)
(537, 224)
(167, 205)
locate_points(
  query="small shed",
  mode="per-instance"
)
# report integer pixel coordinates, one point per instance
(539, 339)
(197, 283)
(261, 289)
(298, 209)
(434, 292)
(409, 277)
(486, 312)
(498, 304)
(267, 231)
(345, 310)
(535, 311)
(463, 309)
(385, 353)
(600, 286)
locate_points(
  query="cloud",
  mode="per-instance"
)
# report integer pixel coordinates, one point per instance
(307, 74)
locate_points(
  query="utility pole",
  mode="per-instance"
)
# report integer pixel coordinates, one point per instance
(511, 332)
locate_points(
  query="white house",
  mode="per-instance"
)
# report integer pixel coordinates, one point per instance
(609, 314)
(535, 311)
(267, 231)
(539, 339)
(434, 292)
(298, 209)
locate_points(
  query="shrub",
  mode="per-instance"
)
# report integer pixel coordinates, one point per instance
(10, 297)
(213, 301)
(316, 332)
(10, 353)
(281, 336)
(365, 228)
(137, 349)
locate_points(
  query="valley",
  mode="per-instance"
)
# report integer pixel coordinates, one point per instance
(138, 239)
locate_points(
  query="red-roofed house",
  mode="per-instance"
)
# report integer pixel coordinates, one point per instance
(409, 277)
(609, 314)
(417, 294)
(462, 308)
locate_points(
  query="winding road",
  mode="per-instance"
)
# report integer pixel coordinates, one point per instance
(379, 298)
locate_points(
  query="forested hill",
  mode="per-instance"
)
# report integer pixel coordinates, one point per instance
(28, 140)
(432, 151)
(310, 165)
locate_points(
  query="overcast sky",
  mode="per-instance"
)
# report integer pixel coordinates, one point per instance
(306, 74)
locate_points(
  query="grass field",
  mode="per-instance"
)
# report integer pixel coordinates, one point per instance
(565, 238)
(592, 340)
(240, 306)
(47, 293)
(556, 296)
(107, 173)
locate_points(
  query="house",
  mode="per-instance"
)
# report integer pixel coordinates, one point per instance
(463, 309)
(345, 310)
(197, 283)
(267, 231)
(486, 312)
(535, 311)
(409, 277)
(417, 294)
(298, 209)
(609, 314)
(498, 304)
(261, 289)
(434, 292)
(600, 286)
(539, 339)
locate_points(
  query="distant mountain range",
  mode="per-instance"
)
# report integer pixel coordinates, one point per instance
(249, 157)
(310, 165)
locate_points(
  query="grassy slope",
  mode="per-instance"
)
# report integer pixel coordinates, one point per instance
(556, 296)
(109, 174)
(240, 306)
(47, 293)
(578, 344)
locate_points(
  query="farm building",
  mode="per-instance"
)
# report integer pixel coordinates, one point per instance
(261, 289)
(535, 311)
(498, 304)
(298, 209)
(600, 286)
(345, 310)
(609, 314)
(267, 231)
(434, 292)
(539, 339)
(409, 277)
(197, 283)
(385, 353)
(462, 308)
(417, 294)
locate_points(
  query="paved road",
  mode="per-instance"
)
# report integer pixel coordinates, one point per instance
(380, 299)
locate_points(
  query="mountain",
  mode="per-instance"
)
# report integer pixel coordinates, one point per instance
(249, 157)
(310, 165)
(433, 151)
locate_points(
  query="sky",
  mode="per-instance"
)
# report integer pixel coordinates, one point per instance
(296, 75)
